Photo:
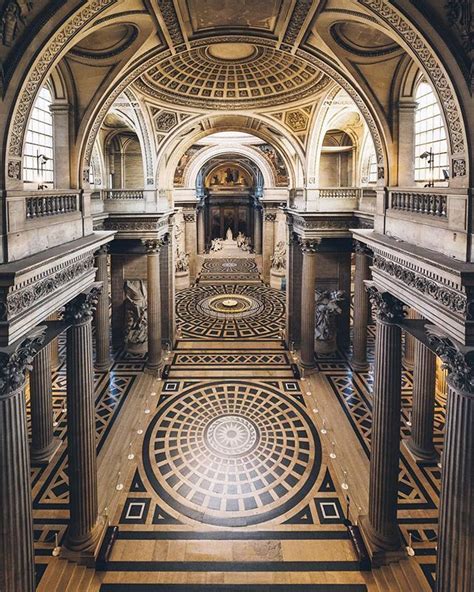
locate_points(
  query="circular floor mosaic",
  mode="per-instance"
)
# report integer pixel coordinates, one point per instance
(230, 312)
(232, 454)
(243, 265)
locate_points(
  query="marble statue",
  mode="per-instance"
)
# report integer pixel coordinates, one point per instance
(216, 245)
(136, 312)
(327, 308)
(278, 258)
(228, 235)
(182, 261)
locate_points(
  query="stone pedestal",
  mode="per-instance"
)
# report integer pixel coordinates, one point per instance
(17, 562)
(361, 307)
(309, 249)
(43, 443)
(420, 443)
(380, 528)
(455, 566)
(276, 278)
(102, 314)
(182, 280)
(154, 361)
(85, 529)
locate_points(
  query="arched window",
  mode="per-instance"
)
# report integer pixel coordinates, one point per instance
(372, 168)
(38, 153)
(431, 147)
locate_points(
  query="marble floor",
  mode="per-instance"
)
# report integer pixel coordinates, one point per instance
(233, 473)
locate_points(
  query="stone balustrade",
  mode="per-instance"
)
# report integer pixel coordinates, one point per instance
(340, 193)
(40, 206)
(122, 194)
(417, 202)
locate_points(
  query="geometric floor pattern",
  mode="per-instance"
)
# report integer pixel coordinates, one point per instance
(201, 314)
(234, 269)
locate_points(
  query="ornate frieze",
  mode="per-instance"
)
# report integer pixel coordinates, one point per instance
(453, 300)
(457, 360)
(81, 308)
(135, 225)
(16, 360)
(170, 17)
(43, 285)
(387, 308)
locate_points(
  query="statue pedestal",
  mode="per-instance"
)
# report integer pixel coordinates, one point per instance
(136, 348)
(276, 278)
(327, 346)
(182, 280)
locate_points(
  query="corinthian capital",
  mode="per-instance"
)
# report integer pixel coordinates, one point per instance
(81, 309)
(16, 359)
(310, 245)
(153, 246)
(387, 308)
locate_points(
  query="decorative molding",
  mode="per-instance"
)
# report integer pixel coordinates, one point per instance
(170, 17)
(17, 360)
(39, 71)
(457, 360)
(453, 300)
(144, 131)
(459, 167)
(189, 216)
(441, 83)
(14, 169)
(270, 217)
(81, 309)
(43, 285)
(298, 17)
(387, 308)
(135, 225)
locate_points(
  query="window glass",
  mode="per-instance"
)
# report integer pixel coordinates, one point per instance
(38, 153)
(430, 136)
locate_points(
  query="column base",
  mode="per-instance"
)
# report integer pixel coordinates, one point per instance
(418, 455)
(44, 457)
(408, 365)
(85, 552)
(381, 551)
(154, 370)
(359, 366)
(103, 367)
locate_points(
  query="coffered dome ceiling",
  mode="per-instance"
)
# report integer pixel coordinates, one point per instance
(231, 75)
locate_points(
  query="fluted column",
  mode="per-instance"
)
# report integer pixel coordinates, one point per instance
(308, 286)
(380, 527)
(455, 565)
(201, 231)
(361, 306)
(54, 345)
(85, 529)
(102, 314)
(190, 240)
(420, 442)
(17, 562)
(293, 290)
(258, 230)
(268, 245)
(43, 443)
(154, 360)
(409, 350)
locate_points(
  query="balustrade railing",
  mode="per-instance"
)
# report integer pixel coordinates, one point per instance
(122, 194)
(413, 202)
(339, 193)
(50, 205)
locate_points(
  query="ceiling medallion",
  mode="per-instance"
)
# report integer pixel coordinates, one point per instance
(232, 75)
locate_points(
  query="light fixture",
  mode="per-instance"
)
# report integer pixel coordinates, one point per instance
(41, 160)
(429, 156)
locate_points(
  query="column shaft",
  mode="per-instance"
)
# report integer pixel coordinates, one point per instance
(380, 529)
(293, 293)
(361, 310)
(43, 443)
(420, 443)
(17, 562)
(308, 307)
(201, 232)
(268, 244)
(102, 315)
(84, 529)
(154, 307)
(409, 352)
(456, 516)
(118, 308)
(258, 231)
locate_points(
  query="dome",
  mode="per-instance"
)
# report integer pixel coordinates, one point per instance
(231, 75)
